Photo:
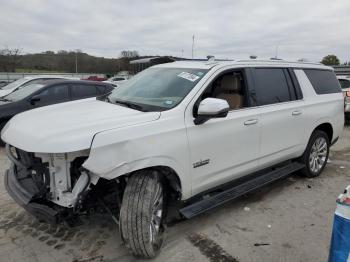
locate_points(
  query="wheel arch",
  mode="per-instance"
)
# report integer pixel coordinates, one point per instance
(327, 128)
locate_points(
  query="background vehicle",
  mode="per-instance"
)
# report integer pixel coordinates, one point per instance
(53, 92)
(95, 78)
(188, 134)
(117, 80)
(28, 80)
(345, 85)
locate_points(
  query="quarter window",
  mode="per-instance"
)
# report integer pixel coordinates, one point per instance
(323, 81)
(271, 86)
(344, 83)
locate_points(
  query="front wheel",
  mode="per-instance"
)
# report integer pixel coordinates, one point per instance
(316, 154)
(141, 214)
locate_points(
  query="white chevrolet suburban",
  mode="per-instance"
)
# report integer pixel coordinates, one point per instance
(197, 134)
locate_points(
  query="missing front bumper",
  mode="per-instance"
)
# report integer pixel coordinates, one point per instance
(26, 199)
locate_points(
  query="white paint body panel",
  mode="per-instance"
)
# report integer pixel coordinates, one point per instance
(123, 140)
(68, 127)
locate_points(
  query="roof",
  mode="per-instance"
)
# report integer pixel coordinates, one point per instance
(247, 62)
(72, 81)
(49, 76)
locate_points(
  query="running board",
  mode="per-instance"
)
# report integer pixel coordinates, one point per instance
(239, 190)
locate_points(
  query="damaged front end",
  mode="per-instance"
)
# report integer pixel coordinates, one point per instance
(55, 187)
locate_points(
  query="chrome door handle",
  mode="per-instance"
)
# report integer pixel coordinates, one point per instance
(251, 122)
(296, 113)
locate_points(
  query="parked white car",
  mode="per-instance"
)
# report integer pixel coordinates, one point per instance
(345, 85)
(117, 80)
(28, 80)
(189, 134)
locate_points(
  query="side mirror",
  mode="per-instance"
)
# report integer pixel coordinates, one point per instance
(211, 108)
(35, 99)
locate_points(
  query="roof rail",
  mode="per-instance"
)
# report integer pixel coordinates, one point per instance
(278, 61)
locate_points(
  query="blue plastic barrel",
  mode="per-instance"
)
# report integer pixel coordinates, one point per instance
(340, 242)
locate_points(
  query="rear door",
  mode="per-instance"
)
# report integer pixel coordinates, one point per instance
(279, 98)
(81, 90)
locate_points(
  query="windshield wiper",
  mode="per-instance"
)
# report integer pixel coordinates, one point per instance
(5, 99)
(131, 105)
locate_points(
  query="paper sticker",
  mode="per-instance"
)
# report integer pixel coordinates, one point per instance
(188, 76)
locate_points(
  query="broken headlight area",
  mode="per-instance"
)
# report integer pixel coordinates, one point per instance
(55, 187)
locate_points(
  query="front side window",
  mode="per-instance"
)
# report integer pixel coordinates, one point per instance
(271, 86)
(157, 89)
(323, 81)
(54, 94)
(229, 86)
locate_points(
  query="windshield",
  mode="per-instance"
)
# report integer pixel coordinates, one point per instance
(14, 84)
(157, 89)
(22, 92)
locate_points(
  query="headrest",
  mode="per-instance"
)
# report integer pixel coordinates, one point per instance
(230, 83)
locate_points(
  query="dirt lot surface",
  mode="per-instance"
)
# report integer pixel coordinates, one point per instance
(290, 220)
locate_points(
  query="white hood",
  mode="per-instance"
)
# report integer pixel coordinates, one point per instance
(68, 127)
(6, 92)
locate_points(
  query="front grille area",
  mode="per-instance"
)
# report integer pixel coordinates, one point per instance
(31, 173)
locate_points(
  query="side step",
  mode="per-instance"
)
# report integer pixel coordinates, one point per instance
(239, 190)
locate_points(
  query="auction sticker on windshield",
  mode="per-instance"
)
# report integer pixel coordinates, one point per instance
(188, 76)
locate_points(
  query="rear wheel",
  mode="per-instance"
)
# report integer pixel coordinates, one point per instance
(316, 154)
(1, 127)
(141, 214)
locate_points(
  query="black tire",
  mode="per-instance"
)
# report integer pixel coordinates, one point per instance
(309, 155)
(143, 192)
(2, 143)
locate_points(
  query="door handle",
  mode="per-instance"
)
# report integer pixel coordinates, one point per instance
(251, 122)
(296, 113)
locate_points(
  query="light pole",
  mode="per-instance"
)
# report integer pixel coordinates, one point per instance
(76, 62)
(192, 45)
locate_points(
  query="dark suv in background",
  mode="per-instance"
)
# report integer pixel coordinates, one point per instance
(55, 91)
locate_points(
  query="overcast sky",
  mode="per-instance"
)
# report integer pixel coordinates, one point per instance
(232, 29)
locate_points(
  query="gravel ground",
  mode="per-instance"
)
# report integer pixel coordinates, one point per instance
(290, 220)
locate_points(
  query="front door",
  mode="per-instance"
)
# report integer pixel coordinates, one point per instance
(223, 149)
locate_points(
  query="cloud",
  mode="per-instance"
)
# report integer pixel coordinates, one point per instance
(227, 29)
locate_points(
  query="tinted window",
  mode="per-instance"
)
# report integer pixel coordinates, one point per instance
(101, 89)
(57, 93)
(323, 81)
(271, 86)
(83, 91)
(344, 83)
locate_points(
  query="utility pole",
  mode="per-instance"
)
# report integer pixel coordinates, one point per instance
(182, 53)
(76, 61)
(276, 54)
(192, 45)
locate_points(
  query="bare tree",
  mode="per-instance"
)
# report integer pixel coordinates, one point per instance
(129, 54)
(9, 59)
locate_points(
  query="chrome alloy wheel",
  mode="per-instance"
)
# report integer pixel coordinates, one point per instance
(156, 218)
(318, 154)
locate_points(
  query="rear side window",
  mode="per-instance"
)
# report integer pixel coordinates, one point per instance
(323, 81)
(271, 86)
(83, 91)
